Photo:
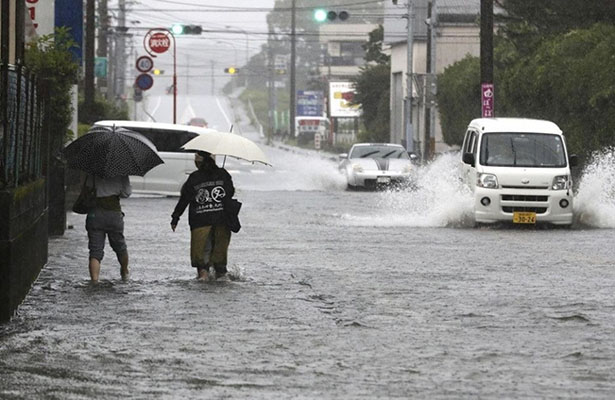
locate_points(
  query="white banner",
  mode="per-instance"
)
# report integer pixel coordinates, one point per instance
(341, 95)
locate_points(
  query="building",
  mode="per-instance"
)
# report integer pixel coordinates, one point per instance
(457, 34)
(343, 57)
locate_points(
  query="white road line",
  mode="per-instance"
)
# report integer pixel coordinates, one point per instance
(228, 120)
(157, 105)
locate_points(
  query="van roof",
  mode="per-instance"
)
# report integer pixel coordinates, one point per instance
(153, 125)
(515, 125)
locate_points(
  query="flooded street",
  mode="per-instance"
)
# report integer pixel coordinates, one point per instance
(335, 294)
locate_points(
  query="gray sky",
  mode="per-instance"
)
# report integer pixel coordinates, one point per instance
(219, 18)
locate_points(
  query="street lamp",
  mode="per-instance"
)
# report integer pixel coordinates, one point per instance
(247, 41)
(222, 42)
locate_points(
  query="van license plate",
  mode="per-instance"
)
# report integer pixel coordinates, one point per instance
(524, 217)
(383, 179)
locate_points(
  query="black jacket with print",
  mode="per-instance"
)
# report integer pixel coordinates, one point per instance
(205, 191)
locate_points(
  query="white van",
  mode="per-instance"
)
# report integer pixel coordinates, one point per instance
(519, 171)
(167, 178)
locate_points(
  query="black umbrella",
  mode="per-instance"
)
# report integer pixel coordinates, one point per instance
(109, 152)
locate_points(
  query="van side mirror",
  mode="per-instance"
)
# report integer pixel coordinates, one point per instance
(468, 158)
(573, 160)
(343, 156)
(413, 156)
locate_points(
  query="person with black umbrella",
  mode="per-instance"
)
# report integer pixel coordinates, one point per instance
(206, 190)
(106, 220)
(108, 156)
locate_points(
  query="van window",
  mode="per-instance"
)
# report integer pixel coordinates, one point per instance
(166, 140)
(512, 149)
(470, 142)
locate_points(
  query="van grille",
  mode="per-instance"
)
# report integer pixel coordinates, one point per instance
(537, 210)
(526, 187)
(522, 197)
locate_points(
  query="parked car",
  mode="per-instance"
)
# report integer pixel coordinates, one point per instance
(196, 121)
(167, 178)
(519, 171)
(373, 165)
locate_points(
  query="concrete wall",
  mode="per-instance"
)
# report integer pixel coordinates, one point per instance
(23, 243)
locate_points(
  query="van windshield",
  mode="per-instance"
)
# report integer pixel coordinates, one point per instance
(512, 149)
(376, 151)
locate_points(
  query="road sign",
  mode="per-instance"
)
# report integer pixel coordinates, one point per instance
(310, 103)
(487, 100)
(159, 42)
(144, 81)
(100, 67)
(145, 64)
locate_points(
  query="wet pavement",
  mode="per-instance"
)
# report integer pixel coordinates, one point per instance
(334, 295)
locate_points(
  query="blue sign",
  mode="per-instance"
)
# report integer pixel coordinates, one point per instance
(310, 103)
(144, 81)
(69, 13)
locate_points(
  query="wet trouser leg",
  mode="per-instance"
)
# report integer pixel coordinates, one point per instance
(198, 244)
(219, 253)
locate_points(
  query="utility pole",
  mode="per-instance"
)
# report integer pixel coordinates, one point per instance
(121, 47)
(432, 86)
(103, 15)
(271, 85)
(89, 58)
(486, 58)
(409, 79)
(293, 57)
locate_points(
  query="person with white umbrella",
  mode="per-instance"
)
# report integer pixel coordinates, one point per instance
(206, 190)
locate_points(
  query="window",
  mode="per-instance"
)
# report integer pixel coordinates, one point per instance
(166, 140)
(512, 149)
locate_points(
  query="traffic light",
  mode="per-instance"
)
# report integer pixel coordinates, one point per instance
(158, 71)
(182, 29)
(323, 15)
(231, 70)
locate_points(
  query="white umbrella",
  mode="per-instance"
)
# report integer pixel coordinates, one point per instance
(227, 144)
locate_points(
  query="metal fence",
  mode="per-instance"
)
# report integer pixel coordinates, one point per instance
(21, 117)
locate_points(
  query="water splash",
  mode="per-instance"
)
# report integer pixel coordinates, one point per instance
(298, 170)
(594, 203)
(439, 199)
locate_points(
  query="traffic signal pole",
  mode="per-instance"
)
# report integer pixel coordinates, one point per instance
(292, 70)
(409, 79)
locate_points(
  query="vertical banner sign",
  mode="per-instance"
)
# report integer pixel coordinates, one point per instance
(487, 100)
(69, 13)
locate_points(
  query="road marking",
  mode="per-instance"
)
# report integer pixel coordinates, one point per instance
(228, 120)
(157, 105)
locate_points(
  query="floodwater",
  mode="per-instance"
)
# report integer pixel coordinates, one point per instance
(335, 295)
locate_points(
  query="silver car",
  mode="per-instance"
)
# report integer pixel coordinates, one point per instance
(373, 165)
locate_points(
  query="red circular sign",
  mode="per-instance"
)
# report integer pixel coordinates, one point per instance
(159, 42)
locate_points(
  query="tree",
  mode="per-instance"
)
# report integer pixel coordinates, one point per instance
(50, 59)
(459, 98)
(570, 80)
(372, 90)
(528, 22)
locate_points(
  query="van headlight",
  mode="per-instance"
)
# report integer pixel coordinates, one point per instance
(357, 168)
(488, 181)
(560, 182)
